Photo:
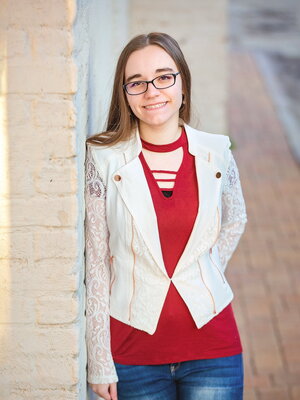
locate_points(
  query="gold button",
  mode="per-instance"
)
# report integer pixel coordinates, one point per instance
(117, 178)
(218, 174)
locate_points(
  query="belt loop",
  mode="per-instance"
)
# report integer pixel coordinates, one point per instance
(174, 367)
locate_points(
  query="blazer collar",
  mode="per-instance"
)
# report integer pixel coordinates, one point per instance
(199, 144)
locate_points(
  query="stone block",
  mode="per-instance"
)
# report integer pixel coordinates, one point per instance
(37, 341)
(41, 143)
(47, 275)
(18, 111)
(41, 211)
(17, 43)
(53, 180)
(55, 113)
(38, 13)
(16, 308)
(58, 77)
(39, 372)
(55, 244)
(20, 180)
(59, 42)
(15, 244)
(60, 309)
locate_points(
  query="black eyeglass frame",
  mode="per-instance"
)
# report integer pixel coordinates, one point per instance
(152, 81)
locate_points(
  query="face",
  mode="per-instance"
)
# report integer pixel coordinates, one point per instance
(155, 107)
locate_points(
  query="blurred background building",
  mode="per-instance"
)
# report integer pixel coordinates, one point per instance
(57, 64)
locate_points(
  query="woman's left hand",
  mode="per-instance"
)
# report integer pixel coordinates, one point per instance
(108, 391)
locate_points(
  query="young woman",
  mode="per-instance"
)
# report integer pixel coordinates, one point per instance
(164, 213)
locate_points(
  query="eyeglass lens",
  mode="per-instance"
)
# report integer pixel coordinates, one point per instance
(161, 82)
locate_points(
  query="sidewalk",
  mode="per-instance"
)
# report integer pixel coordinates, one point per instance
(264, 271)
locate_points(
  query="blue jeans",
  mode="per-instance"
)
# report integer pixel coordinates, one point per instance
(210, 379)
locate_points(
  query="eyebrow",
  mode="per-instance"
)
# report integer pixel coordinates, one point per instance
(166, 69)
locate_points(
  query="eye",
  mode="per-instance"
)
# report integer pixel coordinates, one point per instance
(165, 78)
(135, 84)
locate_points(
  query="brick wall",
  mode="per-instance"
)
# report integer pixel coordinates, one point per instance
(41, 284)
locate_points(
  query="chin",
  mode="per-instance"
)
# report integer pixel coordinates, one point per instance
(156, 121)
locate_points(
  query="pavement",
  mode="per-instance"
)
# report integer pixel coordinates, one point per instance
(265, 269)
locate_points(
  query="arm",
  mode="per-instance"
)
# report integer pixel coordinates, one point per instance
(234, 215)
(101, 367)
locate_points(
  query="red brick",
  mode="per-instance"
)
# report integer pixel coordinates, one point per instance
(295, 392)
(249, 394)
(274, 394)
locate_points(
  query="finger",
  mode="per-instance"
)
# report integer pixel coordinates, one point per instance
(104, 395)
(103, 392)
(113, 391)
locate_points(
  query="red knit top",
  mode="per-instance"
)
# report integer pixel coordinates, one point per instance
(176, 338)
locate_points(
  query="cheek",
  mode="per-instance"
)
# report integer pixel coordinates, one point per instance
(178, 97)
(131, 102)
(177, 94)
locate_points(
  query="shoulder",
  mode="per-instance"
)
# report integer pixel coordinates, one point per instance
(107, 157)
(215, 147)
(213, 141)
(106, 151)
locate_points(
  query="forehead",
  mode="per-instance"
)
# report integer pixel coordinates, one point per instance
(147, 60)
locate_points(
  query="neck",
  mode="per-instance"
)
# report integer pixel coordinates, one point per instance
(160, 134)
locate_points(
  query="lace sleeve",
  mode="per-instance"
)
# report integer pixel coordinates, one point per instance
(101, 368)
(234, 215)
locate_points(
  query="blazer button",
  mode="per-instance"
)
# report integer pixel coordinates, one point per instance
(218, 174)
(117, 178)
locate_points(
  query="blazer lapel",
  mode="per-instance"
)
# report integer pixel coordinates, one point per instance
(208, 192)
(134, 190)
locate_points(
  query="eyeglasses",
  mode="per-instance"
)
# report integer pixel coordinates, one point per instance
(160, 82)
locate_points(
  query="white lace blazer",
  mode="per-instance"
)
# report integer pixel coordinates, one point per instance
(125, 274)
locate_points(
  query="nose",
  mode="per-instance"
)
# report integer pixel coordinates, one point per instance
(152, 91)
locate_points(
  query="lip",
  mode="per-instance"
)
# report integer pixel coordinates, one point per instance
(155, 106)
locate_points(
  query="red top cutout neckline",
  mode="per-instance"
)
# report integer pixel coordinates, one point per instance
(164, 148)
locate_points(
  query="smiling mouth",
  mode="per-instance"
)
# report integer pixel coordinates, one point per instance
(155, 106)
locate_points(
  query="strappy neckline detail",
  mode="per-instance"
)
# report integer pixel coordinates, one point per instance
(164, 148)
(180, 142)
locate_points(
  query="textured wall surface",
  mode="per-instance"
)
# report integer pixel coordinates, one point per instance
(41, 284)
(200, 27)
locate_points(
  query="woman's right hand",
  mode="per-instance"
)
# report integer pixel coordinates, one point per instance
(108, 391)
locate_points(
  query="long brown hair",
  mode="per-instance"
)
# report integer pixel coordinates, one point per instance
(121, 121)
